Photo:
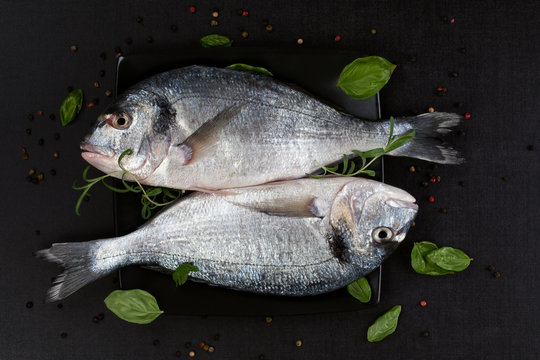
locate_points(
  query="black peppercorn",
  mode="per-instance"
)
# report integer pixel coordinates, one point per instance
(28, 131)
(59, 306)
(462, 183)
(443, 210)
(29, 304)
(63, 335)
(52, 172)
(41, 141)
(178, 353)
(101, 316)
(70, 89)
(425, 333)
(128, 40)
(56, 136)
(149, 39)
(29, 178)
(30, 116)
(491, 268)
(462, 50)
(412, 58)
(52, 117)
(174, 28)
(102, 73)
(95, 320)
(187, 345)
(530, 147)
(261, 357)
(216, 337)
(103, 56)
(155, 342)
(139, 19)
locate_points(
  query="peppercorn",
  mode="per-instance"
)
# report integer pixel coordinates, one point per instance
(39, 112)
(337, 38)
(432, 179)
(187, 345)
(462, 183)
(504, 178)
(40, 176)
(413, 224)
(245, 34)
(63, 335)
(444, 18)
(373, 31)
(206, 347)
(149, 39)
(467, 115)
(59, 306)
(265, 22)
(86, 198)
(425, 333)
(101, 316)
(211, 349)
(453, 74)
(25, 156)
(458, 104)
(216, 337)
(29, 305)
(215, 13)
(103, 56)
(431, 109)
(56, 155)
(73, 48)
(37, 232)
(461, 133)
(431, 199)
(424, 184)
(28, 131)
(300, 41)
(178, 353)
(31, 172)
(298, 343)
(155, 342)
(530, 147)
(412, 58)
(269, 28)
(452, 20)
(239, 12)
(491, 268)
(423, 303)
(268, 319)
(108, 93)
(412, 169)
(443, 210)
(191, 354)
(245, 13)
(41, 141)
(102, 73)
(52, 172)
(95, 320)
(497, 274)
(56, 136)
(201, 344)
(438, 178)
(214, 22)
(96, 84)
(52, 117)
(192, 9)
(139, 19)
(174, 28)
(90, 104)
(462, 50)
(30, 116)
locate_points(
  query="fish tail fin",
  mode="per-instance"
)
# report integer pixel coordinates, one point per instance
(78, 259)
(427, 144)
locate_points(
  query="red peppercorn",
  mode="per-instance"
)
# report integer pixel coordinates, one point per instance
(423, 303)
(337, 38)
(245, 13)
(467, 115)
(452, 21)
(433, 179)
(192, 9)
(431, 199)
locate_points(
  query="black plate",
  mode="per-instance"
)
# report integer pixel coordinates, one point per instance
(317, 72)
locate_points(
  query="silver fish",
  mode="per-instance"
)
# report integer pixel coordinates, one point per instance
(299, 237)
(209, 128)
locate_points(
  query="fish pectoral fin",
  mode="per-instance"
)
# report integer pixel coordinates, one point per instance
(201, 142)
(299, 206)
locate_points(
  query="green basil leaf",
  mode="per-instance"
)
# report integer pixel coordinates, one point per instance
(71, 106)
(135, 306)
(385, 325)
(364, 77)
(449, 258)
(180, 275)
(373, 153)
(419, 262)
(360, 290)
(250, 68)
(408, 136)
(215, 40)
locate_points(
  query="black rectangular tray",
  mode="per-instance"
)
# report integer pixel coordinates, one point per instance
(316, 71)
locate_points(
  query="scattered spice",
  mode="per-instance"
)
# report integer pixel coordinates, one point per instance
(30, 116)
(452, 21)
(462, 183)
(245, 34)
(118, 55)
(28, 131)
(462, 50)
(174, 28)
(497, 274)
(90, 104)
(102, 73)
(434, 166)
(101, 316)
(37, 232)
(201, 344)
(269, 28)
(467, 115)
(40, 176)
(69, 89)
(211, 349)
(438, 178)
(443, 210)
(139, 19)
(337, 38)
(214, 22)
(39, 112)
(192, 9)
(128, 40)
(25, 157)
(56, 136)
(298, 343)
(108, 93)
(453, 74)
(433, 179)
(59, 306)
(191, 354)
(155, 342)
(215, 13)
(178, 353)
(490, 268)
(425, 333)
(261, 357)
(458, 104)
(149, 39)
(413, 224)
(63, 335)
(431, 109)
(412, 169)
(424, 184)
(431, 199)
(56, 155)
(530, 147)
(423, 303)
(268, 319)
(245, 13)
(29, 305)
(96, 84)
(504, 178)
(441, 90)
(373, 31)
(103, 56)
(206, 347)
(300, 41)
(52, 117)
(31, 172)
(461, 133)
(95, 320)
(412, 58)
(444, 18)
(73, 48)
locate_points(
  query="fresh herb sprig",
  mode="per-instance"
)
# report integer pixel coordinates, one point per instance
(349, 167)
(149, 195)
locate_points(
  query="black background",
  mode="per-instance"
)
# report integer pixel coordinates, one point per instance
(469, 315)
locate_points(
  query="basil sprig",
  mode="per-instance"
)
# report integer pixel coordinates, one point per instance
(360, 290)
(385, 325)
(364, 77)
(180, 275)
(428, 259)
(135, 306)
(215, 40)
(250, 68)
(71, 106)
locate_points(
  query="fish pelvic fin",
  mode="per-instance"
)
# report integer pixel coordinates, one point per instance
(427, 143)
(77, 259)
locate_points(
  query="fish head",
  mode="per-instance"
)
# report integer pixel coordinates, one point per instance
(369, 220)
(140, 121)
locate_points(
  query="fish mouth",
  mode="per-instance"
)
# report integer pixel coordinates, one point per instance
(91, 151)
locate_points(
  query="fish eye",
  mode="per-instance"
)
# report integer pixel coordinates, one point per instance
(121, 121)
(382, 234)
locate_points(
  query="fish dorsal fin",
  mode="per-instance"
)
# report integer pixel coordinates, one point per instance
(200, 143)
(292, 206)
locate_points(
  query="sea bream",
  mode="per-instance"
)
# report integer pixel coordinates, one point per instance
(209, 128)
(298, 237)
